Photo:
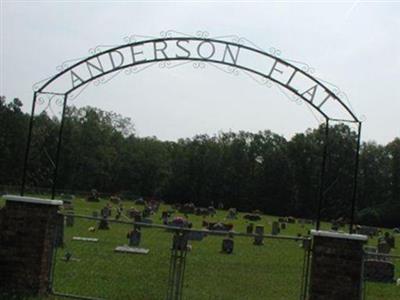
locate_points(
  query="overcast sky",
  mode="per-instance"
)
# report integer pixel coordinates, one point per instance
(353, 44)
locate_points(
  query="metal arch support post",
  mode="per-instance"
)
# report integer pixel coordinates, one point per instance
(60, 134)
(177, 266)
(322, 174)
(355, 179)
(28, 145)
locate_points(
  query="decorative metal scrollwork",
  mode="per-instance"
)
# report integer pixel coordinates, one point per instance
(196, 64)
(51, 104)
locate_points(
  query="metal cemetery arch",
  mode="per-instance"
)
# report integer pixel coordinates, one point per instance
(197, 49)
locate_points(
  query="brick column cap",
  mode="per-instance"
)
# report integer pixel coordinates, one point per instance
(32, 200)
(339, 235)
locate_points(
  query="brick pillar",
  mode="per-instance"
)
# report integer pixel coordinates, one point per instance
(27, 233)
(336, 266)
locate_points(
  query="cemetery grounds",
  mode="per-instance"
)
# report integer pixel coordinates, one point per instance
(272, 271)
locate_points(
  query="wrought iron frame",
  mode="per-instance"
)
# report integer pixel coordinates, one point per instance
(353, 119)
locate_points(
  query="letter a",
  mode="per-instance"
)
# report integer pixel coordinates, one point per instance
(75, 78)
(311, 92)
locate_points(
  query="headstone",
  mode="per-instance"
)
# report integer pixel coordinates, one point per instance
(367, 230)
(218, 227)
(379, 270)
(106, 211)
(115, 199)
(259, 239)
(211, 211)
(67, 205)
(187, 208)
(335, 226)
(165, 217)
(384, 247)
(140, 201)
(227, 245)
(134, 237)
(250, 228)
(275, 228)
(388, 238)
(291, 220)
(201, 211)
(232, 213)
(94, 196)
(283, 226)
(252, 217)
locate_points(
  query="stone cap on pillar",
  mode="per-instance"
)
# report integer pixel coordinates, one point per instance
(32, 200)
(339, 235)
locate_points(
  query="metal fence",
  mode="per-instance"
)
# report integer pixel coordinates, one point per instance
(381, 280)
(175, 263)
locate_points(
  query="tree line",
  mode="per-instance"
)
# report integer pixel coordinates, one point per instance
(245, 170)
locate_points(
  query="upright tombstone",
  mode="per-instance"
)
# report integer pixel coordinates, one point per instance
(384, 247)
(134, 237)
(103, 225)
(232, 214)
(93, 196)
(165, 217)
(336, 266)
(28, 229)
(275, 228)
(105, 213)
(259, 239)
(211, 211)
(227, 245)
(291, 220)
(389, 239)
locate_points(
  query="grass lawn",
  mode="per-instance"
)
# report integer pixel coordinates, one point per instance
(272, 271)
